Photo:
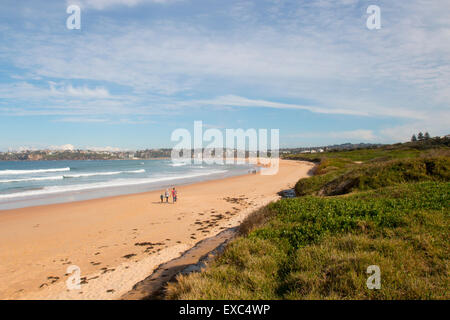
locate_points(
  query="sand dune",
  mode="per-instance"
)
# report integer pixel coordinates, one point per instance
(119, 241)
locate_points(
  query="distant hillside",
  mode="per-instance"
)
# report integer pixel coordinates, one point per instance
(393, 151)
(335, 147)
(83, 155)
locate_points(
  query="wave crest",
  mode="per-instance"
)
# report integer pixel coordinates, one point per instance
(19, 172)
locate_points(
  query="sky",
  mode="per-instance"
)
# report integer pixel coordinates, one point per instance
(137, 70)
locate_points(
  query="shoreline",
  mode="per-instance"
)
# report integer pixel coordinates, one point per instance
(95, 193)
(118, 241)
(31, 160)
(192, 260)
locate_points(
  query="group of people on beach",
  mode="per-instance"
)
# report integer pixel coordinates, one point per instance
(167, 195)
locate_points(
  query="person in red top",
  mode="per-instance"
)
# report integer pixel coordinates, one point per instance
(174, 195)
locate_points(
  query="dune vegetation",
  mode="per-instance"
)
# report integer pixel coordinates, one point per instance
(387, 207)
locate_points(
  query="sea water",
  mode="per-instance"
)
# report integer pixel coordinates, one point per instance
(28, 183)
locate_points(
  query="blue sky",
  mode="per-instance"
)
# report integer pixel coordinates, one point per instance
(139, 69)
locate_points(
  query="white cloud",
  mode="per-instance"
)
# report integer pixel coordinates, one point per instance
(82, 120)
(330, 68)
(22, 148)
(320, 52)
(236, 101)
(104, 4)
(27, 90)
(79, 92)
(108, 148)
(361, 135)
(65, 147)
(364, 135)
(437, 125)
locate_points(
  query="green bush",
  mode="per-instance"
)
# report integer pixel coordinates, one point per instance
(319, 248)
(377, 175)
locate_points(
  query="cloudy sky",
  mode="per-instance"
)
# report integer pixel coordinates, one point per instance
(139, 69)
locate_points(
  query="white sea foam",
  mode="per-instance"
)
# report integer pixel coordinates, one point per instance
(107, 184)
(81, 175)
(178, 164)
(92, 174)
(17, 172)
(32, 179)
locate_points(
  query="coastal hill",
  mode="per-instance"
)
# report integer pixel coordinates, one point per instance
(383, 208)
(38, 155)
(78, 154)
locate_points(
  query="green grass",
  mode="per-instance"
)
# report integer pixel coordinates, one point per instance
(392, 210)
(331, 180)
(316, 248)
(357, 169)
(367, 154)
(432, 147)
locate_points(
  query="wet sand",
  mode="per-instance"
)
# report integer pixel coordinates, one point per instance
(192, 260)
(119, 241)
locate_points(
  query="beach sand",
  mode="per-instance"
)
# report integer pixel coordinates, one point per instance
(118, 241)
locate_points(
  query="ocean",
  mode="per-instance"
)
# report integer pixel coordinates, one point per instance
(29, 183)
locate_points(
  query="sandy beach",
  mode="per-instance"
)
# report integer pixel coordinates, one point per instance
(118, 241)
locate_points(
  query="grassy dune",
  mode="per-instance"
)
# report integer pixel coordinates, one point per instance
(396, 216)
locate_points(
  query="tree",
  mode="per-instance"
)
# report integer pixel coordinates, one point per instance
(413, 138)
(420, 136)
(427, 136)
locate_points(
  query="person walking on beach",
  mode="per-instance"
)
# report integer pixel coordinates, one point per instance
(167, 195)
(174, 195)
(162, 198)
